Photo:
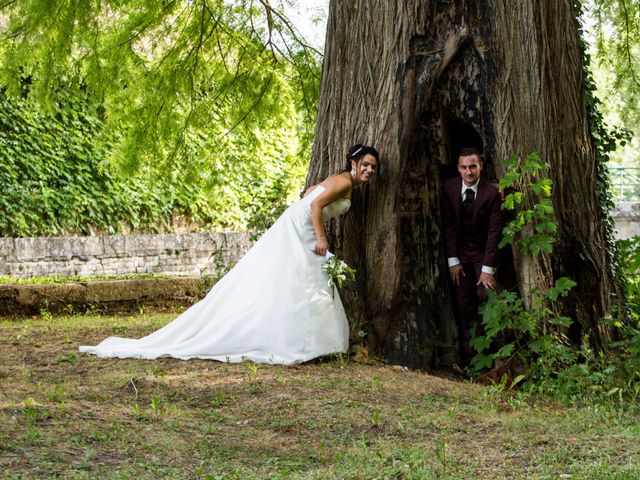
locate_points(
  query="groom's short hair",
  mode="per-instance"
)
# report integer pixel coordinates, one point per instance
(468, 151)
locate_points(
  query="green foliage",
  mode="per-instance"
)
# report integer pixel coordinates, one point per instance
(56, 177)
(514, 334)
(530, 341)
(580, 375)
(51, 169)
(617, 47)
(168, 71)
(518, 330)
(206, 109)
(537, 219)
(630, 260)
(603, 138)
(510, 330)
(627, 347)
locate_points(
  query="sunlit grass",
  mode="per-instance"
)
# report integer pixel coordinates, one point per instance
(73, 415)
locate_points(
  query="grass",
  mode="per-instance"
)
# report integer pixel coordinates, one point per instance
(71, 415)
(8, 280)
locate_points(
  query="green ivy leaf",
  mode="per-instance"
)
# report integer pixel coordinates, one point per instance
(561, 288)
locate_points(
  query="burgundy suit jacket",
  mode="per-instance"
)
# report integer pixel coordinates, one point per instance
(487, 222)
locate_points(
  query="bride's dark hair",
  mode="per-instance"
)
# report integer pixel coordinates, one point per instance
(357, 152)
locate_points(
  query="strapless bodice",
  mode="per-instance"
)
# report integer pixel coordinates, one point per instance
(336, 208)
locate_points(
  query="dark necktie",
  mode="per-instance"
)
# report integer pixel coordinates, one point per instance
(469, 195)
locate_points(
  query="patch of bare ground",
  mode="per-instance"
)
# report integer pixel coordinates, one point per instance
(72, 415)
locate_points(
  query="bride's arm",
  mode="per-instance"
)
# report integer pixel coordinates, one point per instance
(335, 187)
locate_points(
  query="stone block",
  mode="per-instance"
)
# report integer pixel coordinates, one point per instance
(115, 246)
(87, 247)
(114, 262)
(44, 294)
(141, 289)
(7, 249)
(34, 269)
(626, 216)
(187, 241)
(88, 269)
(30, 249)
(106, 296)
(151, 244)
(59, 248)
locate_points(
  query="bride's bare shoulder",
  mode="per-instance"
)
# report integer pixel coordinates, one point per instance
(337, 180)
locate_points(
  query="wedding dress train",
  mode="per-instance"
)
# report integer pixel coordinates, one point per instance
(274, 306)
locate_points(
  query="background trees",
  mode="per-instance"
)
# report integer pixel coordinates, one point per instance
(613, 29)
(57, 179)
(207, 107)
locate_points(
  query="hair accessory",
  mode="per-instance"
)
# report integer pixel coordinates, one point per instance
(356, 152)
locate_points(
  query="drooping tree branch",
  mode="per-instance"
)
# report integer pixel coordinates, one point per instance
(158, 65)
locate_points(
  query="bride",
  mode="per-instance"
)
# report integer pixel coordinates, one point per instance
(275, 305)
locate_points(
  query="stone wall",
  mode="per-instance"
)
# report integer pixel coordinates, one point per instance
(627, 218)
(179, 254)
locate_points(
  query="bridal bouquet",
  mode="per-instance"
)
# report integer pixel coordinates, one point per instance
(338, 272)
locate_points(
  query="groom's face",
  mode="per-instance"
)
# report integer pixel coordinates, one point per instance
(469, 168)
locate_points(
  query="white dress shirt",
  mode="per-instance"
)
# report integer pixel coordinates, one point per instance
(453, 261)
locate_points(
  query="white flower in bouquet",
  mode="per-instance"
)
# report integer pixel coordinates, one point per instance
(338, 272)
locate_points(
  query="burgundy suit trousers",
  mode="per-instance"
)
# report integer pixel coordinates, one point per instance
(469, 297)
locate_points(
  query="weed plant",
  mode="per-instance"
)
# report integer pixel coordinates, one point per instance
(530, 343)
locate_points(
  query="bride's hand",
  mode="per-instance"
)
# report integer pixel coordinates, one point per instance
(321, 246)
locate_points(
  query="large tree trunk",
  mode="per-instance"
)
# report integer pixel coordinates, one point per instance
(419, 80)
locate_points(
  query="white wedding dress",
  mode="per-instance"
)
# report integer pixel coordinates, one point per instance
(274, 306)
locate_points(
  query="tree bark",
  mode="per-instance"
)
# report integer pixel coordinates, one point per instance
(419, 80)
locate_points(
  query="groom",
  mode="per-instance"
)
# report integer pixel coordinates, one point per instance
(472, 229)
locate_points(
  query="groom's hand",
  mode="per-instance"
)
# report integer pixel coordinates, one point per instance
(456, 273)
(487, 280)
